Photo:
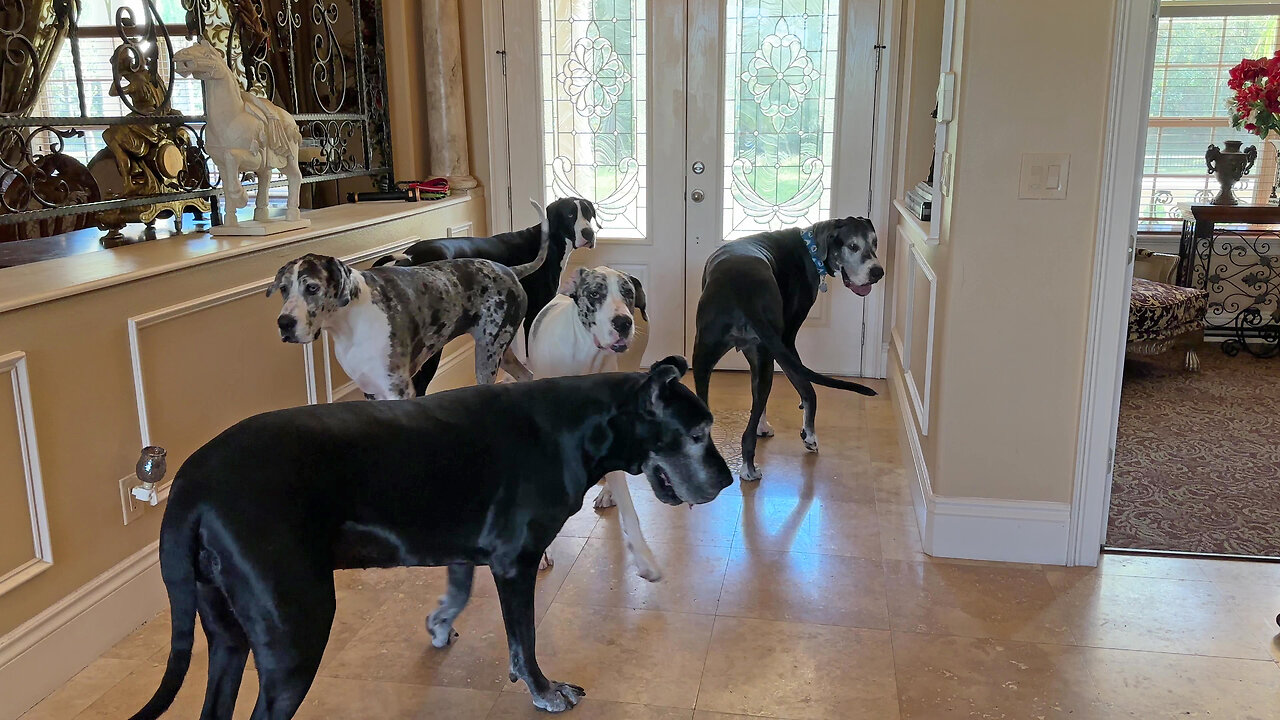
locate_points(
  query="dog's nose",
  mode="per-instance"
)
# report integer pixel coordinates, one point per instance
(588, 235)
(622, 324)
(876, 273)
(287, 323)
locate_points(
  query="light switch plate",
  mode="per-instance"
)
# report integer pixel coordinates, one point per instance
(1044, 176)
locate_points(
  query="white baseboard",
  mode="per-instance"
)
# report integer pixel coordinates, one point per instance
(977, 528)
(43, 653)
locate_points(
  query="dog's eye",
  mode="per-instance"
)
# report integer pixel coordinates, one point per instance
(594, 294)
(312, 288)
(698, 436)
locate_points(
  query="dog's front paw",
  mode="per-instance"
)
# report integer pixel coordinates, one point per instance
(604, 499)
(442, 632)
(749, 473)
(559, 697)
(810, 440)
(545, 563)
(646, 565)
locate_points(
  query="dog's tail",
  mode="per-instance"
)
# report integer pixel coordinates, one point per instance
(529, 268)
(177, 567)
(792, 362)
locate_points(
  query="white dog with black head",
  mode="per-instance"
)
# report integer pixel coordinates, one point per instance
(598, 324)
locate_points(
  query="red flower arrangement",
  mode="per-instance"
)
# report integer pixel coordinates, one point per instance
(1255, 107)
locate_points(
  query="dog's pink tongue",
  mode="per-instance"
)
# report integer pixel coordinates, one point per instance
(859, 290)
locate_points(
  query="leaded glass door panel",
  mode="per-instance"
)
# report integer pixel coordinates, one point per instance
(785, 141)
(691, 122)
(595, 92)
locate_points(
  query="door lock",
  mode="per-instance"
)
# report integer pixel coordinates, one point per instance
(698, 168)
(697, 196)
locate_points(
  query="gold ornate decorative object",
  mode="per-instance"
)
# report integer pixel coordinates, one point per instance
(149, 159)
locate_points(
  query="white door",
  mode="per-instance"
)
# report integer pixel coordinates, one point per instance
(689, 122)
(595, 98)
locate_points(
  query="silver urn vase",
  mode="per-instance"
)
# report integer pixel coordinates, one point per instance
(1229, 165)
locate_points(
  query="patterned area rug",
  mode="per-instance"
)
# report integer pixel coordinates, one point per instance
(1198, 456)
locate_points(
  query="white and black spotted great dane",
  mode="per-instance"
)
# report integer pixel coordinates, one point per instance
(598, 324)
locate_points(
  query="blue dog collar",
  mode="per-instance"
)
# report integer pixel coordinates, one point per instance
(807, 236)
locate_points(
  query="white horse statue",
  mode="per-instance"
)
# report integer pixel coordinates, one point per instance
(243, 133)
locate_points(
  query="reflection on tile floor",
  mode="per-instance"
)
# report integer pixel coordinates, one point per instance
(805, 596)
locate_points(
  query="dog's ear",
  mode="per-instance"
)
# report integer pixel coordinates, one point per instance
(340, 275)
(642, 304)
(275, 284)
(569, 285)
(661, 375)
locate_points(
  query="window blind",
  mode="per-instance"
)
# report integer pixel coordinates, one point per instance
(1197, 45)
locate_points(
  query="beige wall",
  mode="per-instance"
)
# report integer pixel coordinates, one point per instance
(406, 90)
(1014, 275)
(208, 356)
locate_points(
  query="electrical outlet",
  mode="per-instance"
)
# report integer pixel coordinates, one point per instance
(130, 505)
(1044, 176)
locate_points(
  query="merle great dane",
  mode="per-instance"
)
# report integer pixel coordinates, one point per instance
(757, 291)
(261, 516)
(387, 322)
(569, 225)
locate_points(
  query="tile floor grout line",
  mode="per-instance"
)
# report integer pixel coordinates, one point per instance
(1080, 647)
(716, 617)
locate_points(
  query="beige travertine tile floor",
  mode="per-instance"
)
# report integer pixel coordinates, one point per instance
(806, 596)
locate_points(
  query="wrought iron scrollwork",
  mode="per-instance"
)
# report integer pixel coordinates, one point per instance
(1241, 271)
(328, 68)
(275, 47)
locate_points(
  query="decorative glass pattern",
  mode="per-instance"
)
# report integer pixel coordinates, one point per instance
(781, 77)
(594, 108)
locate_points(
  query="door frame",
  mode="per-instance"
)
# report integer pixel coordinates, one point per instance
(875, 342)
(1133, 48)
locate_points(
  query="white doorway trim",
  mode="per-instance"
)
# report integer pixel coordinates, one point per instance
(875, 341)
(1132, 55)
(878, 203)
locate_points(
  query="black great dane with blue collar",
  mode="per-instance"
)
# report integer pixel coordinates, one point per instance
(261, 516)
(756, 293)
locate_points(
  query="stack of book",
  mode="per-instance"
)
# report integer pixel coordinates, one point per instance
(920, 201)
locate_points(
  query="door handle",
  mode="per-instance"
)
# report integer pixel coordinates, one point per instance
(697, 196)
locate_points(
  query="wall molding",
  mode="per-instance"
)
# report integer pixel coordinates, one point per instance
(978, 528)
(43, 653)
(188, 307)
(902, 341)
(1133, 48)
(15, 365)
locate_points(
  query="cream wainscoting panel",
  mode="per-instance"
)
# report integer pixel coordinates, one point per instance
(24, 524)
(202, 365)
(913, 323)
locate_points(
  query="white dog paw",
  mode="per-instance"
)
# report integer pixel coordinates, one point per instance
(545, 563)
(604, 499)
(652, 574)
(810, 440)
(749, 473)
(763, 428)
(646, 566)
(560, 697)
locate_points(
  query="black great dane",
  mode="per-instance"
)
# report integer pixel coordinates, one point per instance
(570, 223)
(261, 516)
(757, 291)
